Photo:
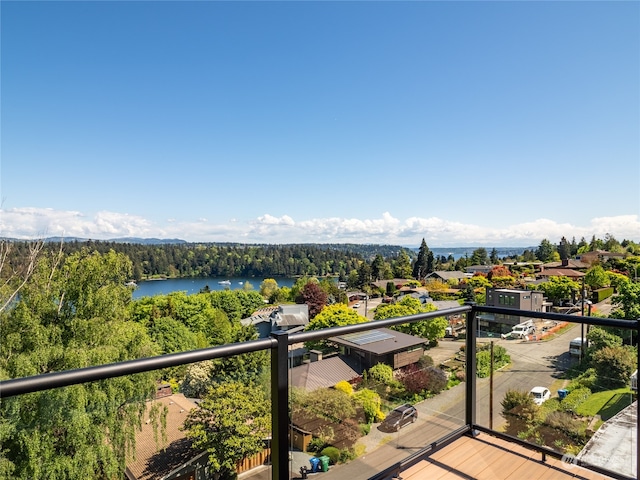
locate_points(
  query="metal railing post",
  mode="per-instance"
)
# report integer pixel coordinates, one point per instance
(637, 416)
(470, 370)
(280, 407)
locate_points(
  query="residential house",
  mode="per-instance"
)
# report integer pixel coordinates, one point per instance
(282, 317)
(566, 263)
(445, 275)
(510, 298)
(560, 272)
(381, 345)
(175, 459)
(323, 373)
(473, 269)
(599, 256)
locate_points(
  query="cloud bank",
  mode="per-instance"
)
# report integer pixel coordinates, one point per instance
(33, 223)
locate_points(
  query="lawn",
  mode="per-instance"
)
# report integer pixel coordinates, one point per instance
(606, 404)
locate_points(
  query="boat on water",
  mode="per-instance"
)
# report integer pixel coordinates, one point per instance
(224, 282)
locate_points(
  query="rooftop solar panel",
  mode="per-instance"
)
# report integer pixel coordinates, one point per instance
(364, 338)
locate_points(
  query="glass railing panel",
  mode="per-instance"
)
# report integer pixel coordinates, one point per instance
(144, 426)
(577, 402)
(362, 404)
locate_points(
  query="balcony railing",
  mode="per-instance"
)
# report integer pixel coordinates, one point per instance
(440, 420)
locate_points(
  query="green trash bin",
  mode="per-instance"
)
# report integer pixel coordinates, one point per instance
(324, 463)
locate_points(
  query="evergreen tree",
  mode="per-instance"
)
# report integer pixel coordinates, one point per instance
(564, 249)
(545, 251)
(420, 266)
(402, 266)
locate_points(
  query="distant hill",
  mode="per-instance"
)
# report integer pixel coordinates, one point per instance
(459, 252)
(136, 240)
(368, 251)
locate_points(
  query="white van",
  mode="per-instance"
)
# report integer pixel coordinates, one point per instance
(575, 346)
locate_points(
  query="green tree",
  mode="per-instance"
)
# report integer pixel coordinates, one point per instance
(546, 251)
(617, 279)
(596, 277)
(402, 266)
(334, 315)
(627, 302)
(479, 256)
(520, 404)
(559, 288)
(378, 268)
(268, 287)
(564, 249)
(231, 423)
(71, 315)
(420, 266)
(431, 329)
(380, 373)
(614, 365)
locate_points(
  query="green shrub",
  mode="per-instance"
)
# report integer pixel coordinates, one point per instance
(483, 359)
(518, 403)
(587, 379)
(365, 428)
(601, 294)
(380, 373)
(333, 453)
(370, 402)
(347, 455)
(425, 361)
(574, 399)
(316, 444)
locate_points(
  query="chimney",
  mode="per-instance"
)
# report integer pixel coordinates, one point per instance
(565, 262)
(315, 355)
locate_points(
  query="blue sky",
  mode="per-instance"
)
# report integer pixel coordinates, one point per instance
(464, 123)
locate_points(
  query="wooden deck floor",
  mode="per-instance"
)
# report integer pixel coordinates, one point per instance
(489, 458)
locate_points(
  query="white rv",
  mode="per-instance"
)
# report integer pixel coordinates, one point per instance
(575, 346)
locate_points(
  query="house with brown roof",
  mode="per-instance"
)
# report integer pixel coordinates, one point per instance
(174, 459)
(381, 345)
(323, 373)
(566, 263)
(446, 275)
(599, 256)
(560, 272)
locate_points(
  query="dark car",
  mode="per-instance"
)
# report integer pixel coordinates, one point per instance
(399, 417)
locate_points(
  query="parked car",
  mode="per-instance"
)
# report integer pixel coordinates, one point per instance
(399, 417)
(356, 305)
(540, 395)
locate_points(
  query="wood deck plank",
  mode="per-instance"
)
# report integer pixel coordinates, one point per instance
(490, 458)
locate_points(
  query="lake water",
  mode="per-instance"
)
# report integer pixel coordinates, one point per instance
(150, 288)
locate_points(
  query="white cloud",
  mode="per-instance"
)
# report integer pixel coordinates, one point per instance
(30, 223)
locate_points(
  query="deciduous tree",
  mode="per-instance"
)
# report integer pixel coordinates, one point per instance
(314, 296)
(68, 317)
(231, 423)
